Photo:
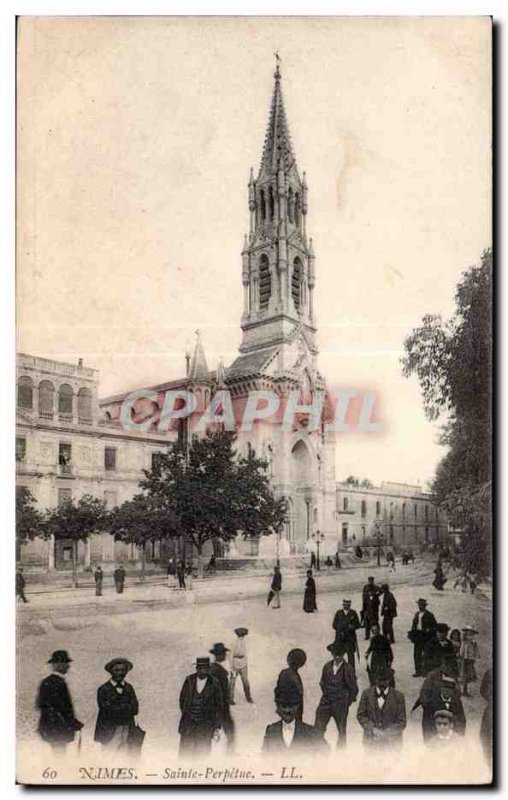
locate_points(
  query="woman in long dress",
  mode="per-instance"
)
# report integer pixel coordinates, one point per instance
(309, 598)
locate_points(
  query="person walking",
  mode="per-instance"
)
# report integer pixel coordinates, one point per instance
(345, 624)
(201, 706)
(20, 584)
(339, 689)
(221, 674)
(313, 560)
(211, 568)
(57, 723)
(275, 588)
(289, 678)
(370, 605)
(180, 574)
(338, 565)
(239, 665)
(382, 712)
(440, 691)
(98, 578)
(118, 708)
(388, 612)
(309, 598)
(170, 573)
(119, 578)
(440, 580)
(291, 733)
(379, 654)
(423, 628)
(469, 653)
(390, 560)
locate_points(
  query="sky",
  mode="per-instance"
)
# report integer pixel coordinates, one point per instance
(135, 141)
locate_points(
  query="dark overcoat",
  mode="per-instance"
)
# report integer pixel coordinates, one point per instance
(57, 723)
(345, 626)
(306, 739)
(115, 709)
(338, 689)
(212, 704)
(391, 719)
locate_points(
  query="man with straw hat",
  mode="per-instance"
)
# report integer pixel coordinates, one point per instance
(57, 723)
(201, 705)
(118, 707)
(339, 689)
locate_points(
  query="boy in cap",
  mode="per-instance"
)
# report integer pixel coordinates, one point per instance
(445, 736)
(118, 707)
(201, 707)
(239, 665)
(423, 628)
(345, 624)
(291, 733)
(57, 723)
(221, 674)
(339, 689)
(382, 712)
(290, 677)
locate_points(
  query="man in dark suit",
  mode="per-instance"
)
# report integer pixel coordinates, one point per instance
(201, 704)
(388, 612)
(440, 692)
(119, 578)
(370, 605)
(423, 628)
(118, 707)
(218, 671)
(438, 649)
(339, 687)
(345, 624)
(291, 733)
(57, 723)
(382, 712)
(290, 677)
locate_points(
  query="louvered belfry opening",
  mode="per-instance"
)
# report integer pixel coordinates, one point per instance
(265, 282)
(296, 283)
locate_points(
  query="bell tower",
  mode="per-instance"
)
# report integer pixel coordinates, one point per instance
(277, 259)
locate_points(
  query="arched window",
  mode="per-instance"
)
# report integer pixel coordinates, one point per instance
(65, 399)
(262, 204)
(296, 283)
(298, 210)
(378, 508)
(345, 504)
(364, 508)
(271, 202)
(107, 417)
(25, 392)
(46, 399)
(290, 205)
(85, 404)
(265, 282)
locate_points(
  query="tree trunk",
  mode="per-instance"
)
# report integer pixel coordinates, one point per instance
(199, 548)
(143, 562)
(74, 564)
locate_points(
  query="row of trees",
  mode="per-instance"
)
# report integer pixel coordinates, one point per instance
(452, 360)
(208, 492)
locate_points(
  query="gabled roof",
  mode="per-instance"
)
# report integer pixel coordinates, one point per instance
(250, 363)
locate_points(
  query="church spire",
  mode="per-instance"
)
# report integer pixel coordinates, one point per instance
(198, 370)
(277, 146)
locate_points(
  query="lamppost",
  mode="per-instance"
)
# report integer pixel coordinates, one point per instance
(318, 537)
(379, 541)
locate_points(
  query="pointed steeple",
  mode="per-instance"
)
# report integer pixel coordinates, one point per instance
(198, 370)
(220, 375)
(277, 144)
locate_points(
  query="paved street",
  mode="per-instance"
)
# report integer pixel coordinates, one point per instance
(165, 630)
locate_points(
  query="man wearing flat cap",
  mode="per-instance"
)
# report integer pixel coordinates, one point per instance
(438, 648)
(218, 671)
(339, 689)
(440, 692)
(290, 677)
(118, 707)
(201, 705)
(382, 712)
(345, 624)
(291, 733)
(445, 738)
(57, 723)
(423, 628)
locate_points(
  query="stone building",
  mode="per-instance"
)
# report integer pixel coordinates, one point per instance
(402, 515)
(63, 451)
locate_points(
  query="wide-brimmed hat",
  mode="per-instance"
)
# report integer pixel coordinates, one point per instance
(469, 629)
(297, 658)
(241, 631)
(219, 649)
(422, 600)
(337, 648)
(442, 627)
(117, 661)
(60, 655)
(442, 712)
(203, 662)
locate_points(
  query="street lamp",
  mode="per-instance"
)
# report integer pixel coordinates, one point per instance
(318, 537)
(379, 541)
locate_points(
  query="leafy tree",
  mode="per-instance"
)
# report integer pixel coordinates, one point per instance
(352, 480)
(139, 521)
(29, 520)
(452, 360)
(77, 521)
(213, 493)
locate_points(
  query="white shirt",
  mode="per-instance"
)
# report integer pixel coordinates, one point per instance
(118, 686)
(288, 732)
(381, 697)
(336, 667)
(419, 623)
(200, 684)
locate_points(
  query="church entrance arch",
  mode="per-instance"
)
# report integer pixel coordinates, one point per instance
(302, 495)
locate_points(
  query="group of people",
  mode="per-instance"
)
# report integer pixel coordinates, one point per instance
(118, 578)
(179, 572)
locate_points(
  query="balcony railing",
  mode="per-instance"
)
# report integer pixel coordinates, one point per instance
(64, 417)
(46, 414)
(85, 420)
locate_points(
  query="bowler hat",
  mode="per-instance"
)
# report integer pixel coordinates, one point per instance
(118, 661)
(442, 712)
(202, 662)
(421, 600)
(60, 655)
(442, 627)
(337, 648)
(384, 586)
(241, 631)
(297, 658)
(219, 649)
